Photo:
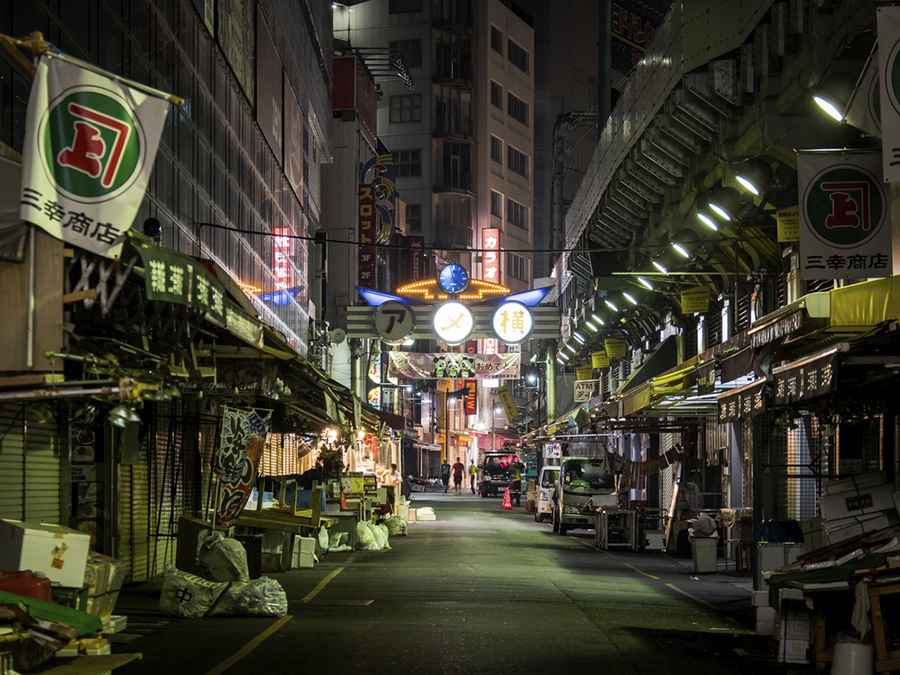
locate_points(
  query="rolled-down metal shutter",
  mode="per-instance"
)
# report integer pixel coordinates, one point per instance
(29, 462)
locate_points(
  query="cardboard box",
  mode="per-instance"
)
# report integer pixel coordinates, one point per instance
(55, 551)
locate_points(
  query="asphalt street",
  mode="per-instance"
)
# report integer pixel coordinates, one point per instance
(479, 591)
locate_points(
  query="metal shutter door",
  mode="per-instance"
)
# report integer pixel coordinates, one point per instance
(134, 519)
(29, 466)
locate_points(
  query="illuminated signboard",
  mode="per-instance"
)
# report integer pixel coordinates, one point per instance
(282, 253)
(453, 322)
(512, 322)
(490, 243)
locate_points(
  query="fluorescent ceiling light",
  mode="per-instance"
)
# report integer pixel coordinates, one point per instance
(569, 346)
(706, 220)
(589, 324)
(829, 108)
(579, 337)
(646, 284)
(681, 250)
(629, 297)
(719, 211)
(611, 306)
(598, 319)
(660, 268)
(748, 185)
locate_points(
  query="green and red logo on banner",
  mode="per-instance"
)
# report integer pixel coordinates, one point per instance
(92, 146)
(844, 206)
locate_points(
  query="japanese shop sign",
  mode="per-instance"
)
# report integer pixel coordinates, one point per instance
(805, 379)
(171, 277)
(282, 256)
(741, 403)
(889, 71)
(845, 229)
(367, 235)
(695, 300)
(471, 397)
(90, 143)
(788, 223)
(439, 366)
(490, 243)
(585, 390)
(512, 322)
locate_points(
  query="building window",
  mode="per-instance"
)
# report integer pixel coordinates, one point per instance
(496, 40)
(516, 214)
(516, 267)
(517, 56)
(408, 163)
(496, 95)
(414, 217)
(496, 150)
(405, 6)
(517, 108)
(409, 50)
(406, 108)
(517, 161)
(496, 204)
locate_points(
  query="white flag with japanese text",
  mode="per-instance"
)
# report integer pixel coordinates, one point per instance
(889, 74)
(863, 108)
(90, 143)
(845, 215)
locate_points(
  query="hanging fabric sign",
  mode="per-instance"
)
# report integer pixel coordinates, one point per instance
(889, 71)
(615, 348)
(90, 143)
(585, 372)
(415, 366)
(241, 440)
(845, 229)
(863, 108)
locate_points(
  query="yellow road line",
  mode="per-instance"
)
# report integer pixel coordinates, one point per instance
(641, 572)
(322, 584)
(688, 595)
(249, 647)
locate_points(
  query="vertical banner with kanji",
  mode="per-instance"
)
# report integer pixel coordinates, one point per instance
(845, 230)
(471, 399)
(90, 143)
(241, 442)
(490, 244)
(889, 71)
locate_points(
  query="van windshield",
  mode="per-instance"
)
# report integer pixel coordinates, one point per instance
(587, 476)
(549, 478)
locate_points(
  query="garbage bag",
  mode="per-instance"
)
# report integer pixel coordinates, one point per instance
(323, 539)
(703, 526)
(259, 597)
(382, 532)
(187, 595)
(225, 559)
(396, 526)
(337, 540)
(365, 537)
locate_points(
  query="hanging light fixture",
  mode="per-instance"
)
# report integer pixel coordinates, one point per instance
(706, 220)
(829, 108)
(121, 416)
(719, 211)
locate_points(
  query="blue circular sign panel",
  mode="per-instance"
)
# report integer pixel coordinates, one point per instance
(453, 278)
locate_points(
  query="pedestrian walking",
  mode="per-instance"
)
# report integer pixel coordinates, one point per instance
(445, 475)
(473, 474)
(458, 470)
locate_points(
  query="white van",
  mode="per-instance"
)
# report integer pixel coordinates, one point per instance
(546, 483)
(581, 480)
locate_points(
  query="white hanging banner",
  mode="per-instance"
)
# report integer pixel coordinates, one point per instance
(90, 143)
(863, 107)
(845, 224)
(889, 71)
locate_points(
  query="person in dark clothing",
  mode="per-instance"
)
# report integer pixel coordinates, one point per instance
(445, 475)
(458, 470)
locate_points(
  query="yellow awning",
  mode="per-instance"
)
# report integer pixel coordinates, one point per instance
(866, 304)
(673, 381)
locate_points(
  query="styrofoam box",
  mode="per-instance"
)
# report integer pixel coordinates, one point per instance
(304, 545)
(55, 551)
(857, 502)
(793, 651)
(760, 598)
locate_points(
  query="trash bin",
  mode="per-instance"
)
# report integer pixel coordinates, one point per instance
(704, 553)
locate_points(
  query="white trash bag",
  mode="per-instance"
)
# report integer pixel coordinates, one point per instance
(224, 558)
(187, 595)
(260, 597)
(365, 538)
